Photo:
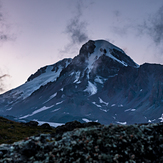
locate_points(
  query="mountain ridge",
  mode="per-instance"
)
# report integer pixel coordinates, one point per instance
(102, 83)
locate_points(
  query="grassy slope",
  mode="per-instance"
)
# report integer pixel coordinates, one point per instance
(11, 131)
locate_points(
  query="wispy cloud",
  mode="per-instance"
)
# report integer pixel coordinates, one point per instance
(150, 29)
(154, 26)
(3, 86)
(3, 76)
(4, 36)
(76, 29)
(120, 26)
(5, 27)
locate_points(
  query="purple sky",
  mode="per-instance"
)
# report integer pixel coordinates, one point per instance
(35, 33)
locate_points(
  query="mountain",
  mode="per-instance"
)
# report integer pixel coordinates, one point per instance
(102, 83)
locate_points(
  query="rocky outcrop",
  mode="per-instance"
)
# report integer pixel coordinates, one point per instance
(97, 143)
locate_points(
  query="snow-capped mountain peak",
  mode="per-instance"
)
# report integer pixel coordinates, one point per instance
(99, 55)
(101, 83)
(105, 48)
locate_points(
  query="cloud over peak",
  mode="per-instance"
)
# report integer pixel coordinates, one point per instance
(76, 29)
(154, 26)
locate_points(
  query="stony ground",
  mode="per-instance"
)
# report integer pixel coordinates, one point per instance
(90, 142)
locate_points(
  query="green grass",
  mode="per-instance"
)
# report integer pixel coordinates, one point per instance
(11, 131)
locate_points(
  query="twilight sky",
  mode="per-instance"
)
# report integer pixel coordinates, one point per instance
(35, 33)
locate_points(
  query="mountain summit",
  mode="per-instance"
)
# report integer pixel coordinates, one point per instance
(102, 83)
(98, 56)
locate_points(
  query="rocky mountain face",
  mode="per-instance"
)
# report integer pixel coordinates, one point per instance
(101, 84)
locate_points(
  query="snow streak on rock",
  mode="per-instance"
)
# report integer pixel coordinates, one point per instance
(37, 111)
(91, 88)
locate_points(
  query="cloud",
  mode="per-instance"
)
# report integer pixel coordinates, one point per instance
(121, 31)
(3, 76)
(3, 86)
(120, 26)
(117, 13)
(5, 34)
(154, 26)
(76, 29)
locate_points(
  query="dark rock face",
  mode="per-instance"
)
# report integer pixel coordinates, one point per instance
(87, 48)
(79, 62)
(105, 67)
(147, 78)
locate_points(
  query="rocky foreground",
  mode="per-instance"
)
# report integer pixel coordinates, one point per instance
(90, 142)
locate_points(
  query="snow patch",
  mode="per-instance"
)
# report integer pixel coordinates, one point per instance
(91, 88)
(99, 80)
(56, 110)
(161, 118)
(50, 123)
(77, 76)
(52, 96)
(120, 105)
(71, 74)
(9, 108)
(96, 104)
(59, 103)
(122, 123)
(42, 109)
(114, 117)
(151, 120)
(129, 110)
(113, 105)
(37, 111)
(66, 113)
(78, 82)
(104, 110)
(103, 102)
(86, 120)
